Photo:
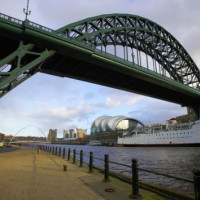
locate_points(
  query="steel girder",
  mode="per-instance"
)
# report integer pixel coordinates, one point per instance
(141, 34)
(20, 65)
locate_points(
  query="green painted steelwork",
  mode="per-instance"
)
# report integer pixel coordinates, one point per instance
(142, 35)
(152, 61)
(20, 65)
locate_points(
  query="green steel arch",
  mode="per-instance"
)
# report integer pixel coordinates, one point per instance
(80, 50)
(140, 34)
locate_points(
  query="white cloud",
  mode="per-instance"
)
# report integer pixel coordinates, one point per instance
(156, 111)
(121, 100)
(112, 103)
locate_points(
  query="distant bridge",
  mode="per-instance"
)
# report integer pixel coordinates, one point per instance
(121, 51)
(26, 128)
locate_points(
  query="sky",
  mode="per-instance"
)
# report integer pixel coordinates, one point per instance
(44, 101)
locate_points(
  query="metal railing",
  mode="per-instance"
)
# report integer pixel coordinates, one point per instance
(11, 19)
(90, 159)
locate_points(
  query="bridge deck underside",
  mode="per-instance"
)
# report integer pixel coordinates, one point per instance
(73, 64)
(65, 66)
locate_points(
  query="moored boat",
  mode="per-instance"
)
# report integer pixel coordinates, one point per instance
(171, 134)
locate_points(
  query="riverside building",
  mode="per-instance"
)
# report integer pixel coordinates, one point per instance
(106, 129)
(52, 136)
(74, 135)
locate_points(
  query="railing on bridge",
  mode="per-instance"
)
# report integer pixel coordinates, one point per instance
(87, 45)
(11, 19)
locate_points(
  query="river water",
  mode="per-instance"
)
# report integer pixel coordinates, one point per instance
(175, 161)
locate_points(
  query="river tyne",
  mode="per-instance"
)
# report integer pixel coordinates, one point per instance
(175, 161)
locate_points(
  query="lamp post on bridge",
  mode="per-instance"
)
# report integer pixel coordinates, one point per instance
(26, 11)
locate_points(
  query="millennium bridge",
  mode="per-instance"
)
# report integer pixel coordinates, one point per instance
(122, 51)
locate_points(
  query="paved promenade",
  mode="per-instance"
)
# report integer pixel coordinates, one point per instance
(26, 175)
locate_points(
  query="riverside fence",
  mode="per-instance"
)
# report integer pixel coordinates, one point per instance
(69, 154)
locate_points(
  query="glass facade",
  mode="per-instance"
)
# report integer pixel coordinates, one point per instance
(112, 124)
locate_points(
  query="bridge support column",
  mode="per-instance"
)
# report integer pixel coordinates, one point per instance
(20, 65)
(197, 111)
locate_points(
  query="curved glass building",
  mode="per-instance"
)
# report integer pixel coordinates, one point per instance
(108, 124)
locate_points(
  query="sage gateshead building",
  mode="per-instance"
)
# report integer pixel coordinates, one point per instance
(106, 129)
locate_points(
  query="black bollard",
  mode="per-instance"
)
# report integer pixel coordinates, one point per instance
(59, 151)
(91, 163)
(63, 152)
(74, 156)
(196, 178)
(106, 168)
(135, 188)
(81, 158)
(69, 152)
(56, 151)
(64, 167)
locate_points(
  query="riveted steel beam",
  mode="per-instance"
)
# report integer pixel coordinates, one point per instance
(20, 65)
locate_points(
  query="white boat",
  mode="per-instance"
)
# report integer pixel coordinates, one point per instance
(94, 143)
(185, 134)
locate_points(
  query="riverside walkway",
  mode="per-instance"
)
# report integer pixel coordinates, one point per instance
(27, 175)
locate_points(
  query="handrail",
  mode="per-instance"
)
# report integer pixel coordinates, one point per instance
(140, 169)
(11, 19)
